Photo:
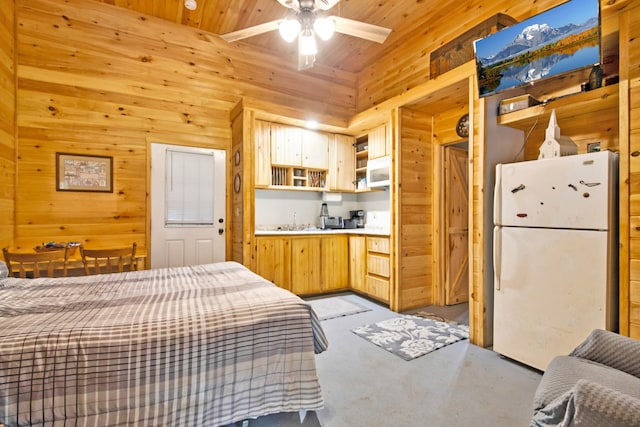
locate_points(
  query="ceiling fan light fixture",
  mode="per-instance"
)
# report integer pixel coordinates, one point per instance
(190, 4)
(289, 29)
(324, 28)
(307, 44)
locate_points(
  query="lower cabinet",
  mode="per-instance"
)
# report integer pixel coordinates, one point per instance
(369, 266)
(304, 265)
(334, 254)
(273, 256)
(358, 263)
(377, 281)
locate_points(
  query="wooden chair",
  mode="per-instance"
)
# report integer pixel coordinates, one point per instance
(32, 265)
(113, 260)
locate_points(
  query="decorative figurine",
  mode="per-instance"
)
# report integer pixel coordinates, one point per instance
(554, 144)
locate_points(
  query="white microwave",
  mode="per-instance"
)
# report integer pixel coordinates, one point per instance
(379, 172)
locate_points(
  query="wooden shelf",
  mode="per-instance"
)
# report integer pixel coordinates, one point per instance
(570, 107)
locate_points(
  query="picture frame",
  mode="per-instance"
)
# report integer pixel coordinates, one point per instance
(81, 172)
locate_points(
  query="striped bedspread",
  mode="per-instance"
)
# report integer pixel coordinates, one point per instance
(192, 346)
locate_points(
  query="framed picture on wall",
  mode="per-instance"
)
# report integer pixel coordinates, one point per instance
(79, 172)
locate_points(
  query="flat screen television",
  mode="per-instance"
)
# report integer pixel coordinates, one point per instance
(560, 40)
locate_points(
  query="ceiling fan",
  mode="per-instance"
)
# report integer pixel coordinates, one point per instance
(306, 21)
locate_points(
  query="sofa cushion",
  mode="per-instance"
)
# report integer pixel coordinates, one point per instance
(588, 404)
(611, 349)
(564, 372)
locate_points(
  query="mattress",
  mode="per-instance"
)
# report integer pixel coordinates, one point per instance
(202, 345)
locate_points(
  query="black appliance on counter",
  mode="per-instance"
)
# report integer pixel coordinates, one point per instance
(333, 222)
(357, 216)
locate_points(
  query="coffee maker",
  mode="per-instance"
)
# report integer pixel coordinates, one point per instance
(358, 217)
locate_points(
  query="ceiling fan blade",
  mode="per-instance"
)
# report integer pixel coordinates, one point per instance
(291, 4)
(324, 4)
(250, 31)
(363, 30)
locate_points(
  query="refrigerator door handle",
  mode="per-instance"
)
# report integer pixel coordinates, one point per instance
(496, 257)
(497, 193)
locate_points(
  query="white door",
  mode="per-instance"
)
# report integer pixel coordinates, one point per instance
(187, 205)
(552, 288)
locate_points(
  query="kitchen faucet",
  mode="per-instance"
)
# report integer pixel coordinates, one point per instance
(294, 221)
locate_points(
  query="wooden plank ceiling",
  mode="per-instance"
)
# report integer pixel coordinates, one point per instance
(348, 53)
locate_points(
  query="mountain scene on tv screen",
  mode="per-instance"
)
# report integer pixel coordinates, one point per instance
(533, 50)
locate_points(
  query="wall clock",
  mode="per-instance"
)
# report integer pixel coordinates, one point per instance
(462, 128)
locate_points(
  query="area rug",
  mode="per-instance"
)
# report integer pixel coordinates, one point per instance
(332, 307)
(410, 336)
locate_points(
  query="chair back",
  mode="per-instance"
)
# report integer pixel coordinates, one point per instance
(32, 265)
(113, 260)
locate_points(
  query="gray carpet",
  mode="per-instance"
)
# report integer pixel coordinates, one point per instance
(458, 385)
(337, 306)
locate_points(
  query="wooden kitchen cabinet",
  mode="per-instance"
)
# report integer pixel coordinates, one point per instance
(357, 262)
(377, 281)
(315, 150)
(286, 145)
(378, 244)
(305, 265)
(274, 260)
(341, 163)
(292, 146)
(262, 160)
(379, 144)
(334, 252)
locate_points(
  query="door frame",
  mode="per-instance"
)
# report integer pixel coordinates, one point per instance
(227, 191)
(439, 255)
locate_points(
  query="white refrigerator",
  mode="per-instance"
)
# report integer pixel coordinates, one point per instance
(555, 254)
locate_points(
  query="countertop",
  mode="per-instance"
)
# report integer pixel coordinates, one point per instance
(370, 231)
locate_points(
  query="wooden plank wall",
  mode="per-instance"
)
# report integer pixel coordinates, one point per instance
(237, 202)
(406, 66)
(478, 296)
(7, 125)
(630, 169)
(414, 256)
(96, 79)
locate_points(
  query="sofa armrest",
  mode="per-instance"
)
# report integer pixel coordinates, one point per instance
(589, 404)
(611, 349)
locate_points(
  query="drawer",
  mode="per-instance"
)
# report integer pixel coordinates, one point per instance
(378, 244)
(377, 287)
(378, 265)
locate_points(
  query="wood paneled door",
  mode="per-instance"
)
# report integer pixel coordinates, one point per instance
(456, 226)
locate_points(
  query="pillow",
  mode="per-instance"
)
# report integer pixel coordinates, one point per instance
(4, 271)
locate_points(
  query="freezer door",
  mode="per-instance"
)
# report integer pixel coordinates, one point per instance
(565, 192)
(553, 287)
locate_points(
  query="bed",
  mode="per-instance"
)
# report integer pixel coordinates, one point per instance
(204, 345)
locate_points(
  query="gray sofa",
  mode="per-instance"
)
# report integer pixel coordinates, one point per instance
(598, 384)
